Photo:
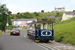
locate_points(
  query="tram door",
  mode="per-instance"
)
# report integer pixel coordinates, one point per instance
(38, 28)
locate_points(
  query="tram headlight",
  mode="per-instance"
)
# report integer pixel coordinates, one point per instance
(36, 38)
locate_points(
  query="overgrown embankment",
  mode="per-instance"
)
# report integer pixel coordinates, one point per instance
(65, 31)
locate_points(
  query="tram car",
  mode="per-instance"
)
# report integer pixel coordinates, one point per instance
(41, 31)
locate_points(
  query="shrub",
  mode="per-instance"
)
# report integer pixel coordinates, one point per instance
(10, 27)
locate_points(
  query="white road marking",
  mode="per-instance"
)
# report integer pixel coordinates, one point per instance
(36, 43)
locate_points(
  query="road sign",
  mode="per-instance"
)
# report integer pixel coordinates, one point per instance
(7, 24)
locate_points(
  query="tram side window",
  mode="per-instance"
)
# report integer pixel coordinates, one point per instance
(31, 27)
(38, 26)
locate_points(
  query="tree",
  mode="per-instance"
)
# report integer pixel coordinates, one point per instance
(4, 13)
(42, 14)
(42, 10)
(27, 15)
(57, 14)
(36, 14)
(73, 10)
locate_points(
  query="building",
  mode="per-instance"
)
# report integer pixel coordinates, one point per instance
(67, 15)
(22, 22)
(61, 9)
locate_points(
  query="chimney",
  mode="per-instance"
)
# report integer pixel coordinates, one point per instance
(35, 19)
(14, 18)
(69, 11)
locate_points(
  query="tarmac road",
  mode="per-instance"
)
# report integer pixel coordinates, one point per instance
(8, 42)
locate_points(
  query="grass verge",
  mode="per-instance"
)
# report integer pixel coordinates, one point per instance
(23, 29)
(0, 32)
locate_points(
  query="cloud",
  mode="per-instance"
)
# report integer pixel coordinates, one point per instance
(37, 5)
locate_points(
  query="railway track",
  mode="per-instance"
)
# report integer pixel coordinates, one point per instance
(52, 45)
(57, 46)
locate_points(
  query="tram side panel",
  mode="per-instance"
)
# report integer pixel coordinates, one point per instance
(45, 34)
(31, 34)
(40, 34)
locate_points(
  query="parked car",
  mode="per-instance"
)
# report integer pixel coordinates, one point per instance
(15, 31)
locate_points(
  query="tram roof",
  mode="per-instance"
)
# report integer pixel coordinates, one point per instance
(49, 22)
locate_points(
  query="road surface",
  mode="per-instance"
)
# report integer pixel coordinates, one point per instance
(8, 42)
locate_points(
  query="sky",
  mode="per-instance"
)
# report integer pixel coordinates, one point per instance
(16, 6)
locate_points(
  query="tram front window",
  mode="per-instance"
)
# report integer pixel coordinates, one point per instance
(47, 26)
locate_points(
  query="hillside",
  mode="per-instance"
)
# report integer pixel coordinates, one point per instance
(39, 15)
(65, 31)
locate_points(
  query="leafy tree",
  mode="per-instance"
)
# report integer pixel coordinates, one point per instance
(18, 13)
(4, 13)
(36, 13)
(42, 14)
(27, 15)
(73, 10)
(42, 10)
(57, 14)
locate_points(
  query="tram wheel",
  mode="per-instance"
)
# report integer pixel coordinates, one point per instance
(41, 41)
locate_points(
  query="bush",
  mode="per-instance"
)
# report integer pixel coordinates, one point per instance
(10, 27)
(0, 32)
(60, 39)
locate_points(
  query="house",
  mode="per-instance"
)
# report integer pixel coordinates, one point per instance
(22, 22)
(67, 15)
(61, 9)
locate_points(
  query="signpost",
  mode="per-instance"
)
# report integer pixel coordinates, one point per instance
(7, 24)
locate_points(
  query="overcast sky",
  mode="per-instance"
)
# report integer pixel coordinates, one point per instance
(37, 5)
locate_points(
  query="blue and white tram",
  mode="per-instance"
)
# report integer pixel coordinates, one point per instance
(38, 31)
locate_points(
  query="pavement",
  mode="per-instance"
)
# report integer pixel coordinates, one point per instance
(11, 42)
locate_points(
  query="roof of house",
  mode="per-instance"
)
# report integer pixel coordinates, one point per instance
(67, 13)
(28, 19)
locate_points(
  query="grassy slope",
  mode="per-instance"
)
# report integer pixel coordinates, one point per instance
(65, 31)
(45, 14)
